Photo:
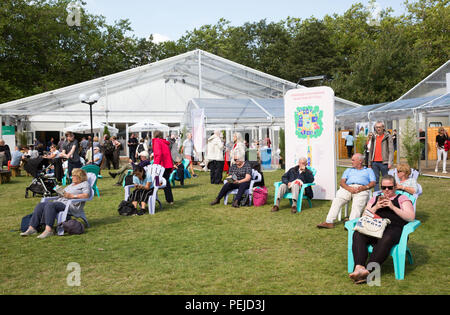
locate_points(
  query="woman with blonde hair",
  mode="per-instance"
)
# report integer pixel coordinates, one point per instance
(404, 182)
(46, 212)
(238, 146)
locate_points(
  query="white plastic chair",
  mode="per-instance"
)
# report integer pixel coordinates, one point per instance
(156, 171)
(62, 216)
(256, 177)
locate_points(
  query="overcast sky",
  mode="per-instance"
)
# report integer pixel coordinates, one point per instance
(172, 18)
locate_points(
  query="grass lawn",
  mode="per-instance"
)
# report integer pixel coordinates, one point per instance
(193, 248)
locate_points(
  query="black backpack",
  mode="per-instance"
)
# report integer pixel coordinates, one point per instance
(109, 147)
(126, 208)
(140, 148)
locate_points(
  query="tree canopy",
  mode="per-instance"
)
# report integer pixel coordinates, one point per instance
(363, 62)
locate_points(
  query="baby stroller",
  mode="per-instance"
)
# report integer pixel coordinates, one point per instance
(42, 184)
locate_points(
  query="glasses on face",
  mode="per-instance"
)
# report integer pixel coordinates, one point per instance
(387, 187)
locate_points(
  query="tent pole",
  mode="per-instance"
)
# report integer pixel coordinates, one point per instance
(398, 140)
(426, 140)
(199, 74)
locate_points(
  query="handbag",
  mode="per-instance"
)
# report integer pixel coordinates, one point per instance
(371, 225)
(259, 196)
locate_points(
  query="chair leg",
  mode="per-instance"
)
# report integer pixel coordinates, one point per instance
(399, 260)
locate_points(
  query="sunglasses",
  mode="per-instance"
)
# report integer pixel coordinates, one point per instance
(387, 187)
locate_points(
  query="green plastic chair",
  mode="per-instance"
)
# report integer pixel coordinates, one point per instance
(90, 168)
(399, 252)
(173, 175)
(301, 195)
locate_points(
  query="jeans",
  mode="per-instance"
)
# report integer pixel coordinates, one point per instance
(46, 212)
(378, 167)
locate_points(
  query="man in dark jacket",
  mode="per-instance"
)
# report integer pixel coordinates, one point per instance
(293, 181)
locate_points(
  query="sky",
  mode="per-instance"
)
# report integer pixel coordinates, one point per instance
(170, 19)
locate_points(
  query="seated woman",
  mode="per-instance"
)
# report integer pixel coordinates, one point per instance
(46, 212)
(399, 210)
(404, 182)
(240, 175)
(142, 192)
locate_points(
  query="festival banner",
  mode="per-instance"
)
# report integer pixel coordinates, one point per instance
(309, 132)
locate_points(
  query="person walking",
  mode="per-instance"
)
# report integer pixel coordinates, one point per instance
(441, 138)
(381, 152)
(163, 157)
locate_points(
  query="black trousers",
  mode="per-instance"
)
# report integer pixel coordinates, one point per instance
(216, 169)
(381, 247)
(228, 187)
(168, 189)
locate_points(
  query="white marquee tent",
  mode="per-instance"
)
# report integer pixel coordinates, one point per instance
(85, 128)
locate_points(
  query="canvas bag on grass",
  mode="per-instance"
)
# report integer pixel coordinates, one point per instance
(371, 225)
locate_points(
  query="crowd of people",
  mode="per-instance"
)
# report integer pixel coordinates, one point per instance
(355, 184)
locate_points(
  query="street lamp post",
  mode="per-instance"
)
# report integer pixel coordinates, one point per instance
(91, 100)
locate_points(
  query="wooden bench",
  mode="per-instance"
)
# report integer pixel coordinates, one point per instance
(5, 177)
(15, 171)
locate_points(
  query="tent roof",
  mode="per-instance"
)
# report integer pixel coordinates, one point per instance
(248, 110)
(430, 95)
(219, 76)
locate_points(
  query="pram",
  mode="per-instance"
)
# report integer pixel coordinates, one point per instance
(42, 184)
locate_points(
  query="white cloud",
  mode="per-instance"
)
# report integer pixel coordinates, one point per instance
(158, 38)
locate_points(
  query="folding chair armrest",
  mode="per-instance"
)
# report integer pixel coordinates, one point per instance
(304, 186)
(44, 199)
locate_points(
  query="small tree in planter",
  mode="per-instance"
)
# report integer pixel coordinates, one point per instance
(360, 143)
(410, 144)
(282, 147)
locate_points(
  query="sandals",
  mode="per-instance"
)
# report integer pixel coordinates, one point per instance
(360, 276)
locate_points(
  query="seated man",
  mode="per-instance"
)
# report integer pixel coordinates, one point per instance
(179, 168)
(293, 180)
(122, 172)
(16, 157)
(355, 184)
(98, 157)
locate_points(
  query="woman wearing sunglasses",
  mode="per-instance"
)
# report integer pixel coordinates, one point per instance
(399, 210)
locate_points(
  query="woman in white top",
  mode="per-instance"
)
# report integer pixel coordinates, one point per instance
(238, 146)
(404, 182)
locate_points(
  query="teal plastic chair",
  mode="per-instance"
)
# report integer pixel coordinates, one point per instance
(129, 172)
(173, 175)
(301, 195)
(399, 252)
(90, 168)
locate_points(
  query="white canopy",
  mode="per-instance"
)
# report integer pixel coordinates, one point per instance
(148, 125)
(85, 127)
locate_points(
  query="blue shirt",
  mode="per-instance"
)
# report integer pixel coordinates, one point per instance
(143, 182)
(359, 177)
(16, 157)
(349, 140)
(100, 158)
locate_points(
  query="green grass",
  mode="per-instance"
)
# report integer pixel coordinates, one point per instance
(193, 248)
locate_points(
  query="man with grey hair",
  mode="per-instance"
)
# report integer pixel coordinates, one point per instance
(355, 185)
(293, 180)
(381, 152)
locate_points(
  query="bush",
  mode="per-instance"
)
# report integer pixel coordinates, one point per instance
(411, 145)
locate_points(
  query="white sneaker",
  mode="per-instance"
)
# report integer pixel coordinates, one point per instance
(45, 234)
(436, 170)
(444, 172)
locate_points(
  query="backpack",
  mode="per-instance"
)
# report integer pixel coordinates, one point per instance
(126, 208)
(73, 227)
(109, 147)
(140, 148)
